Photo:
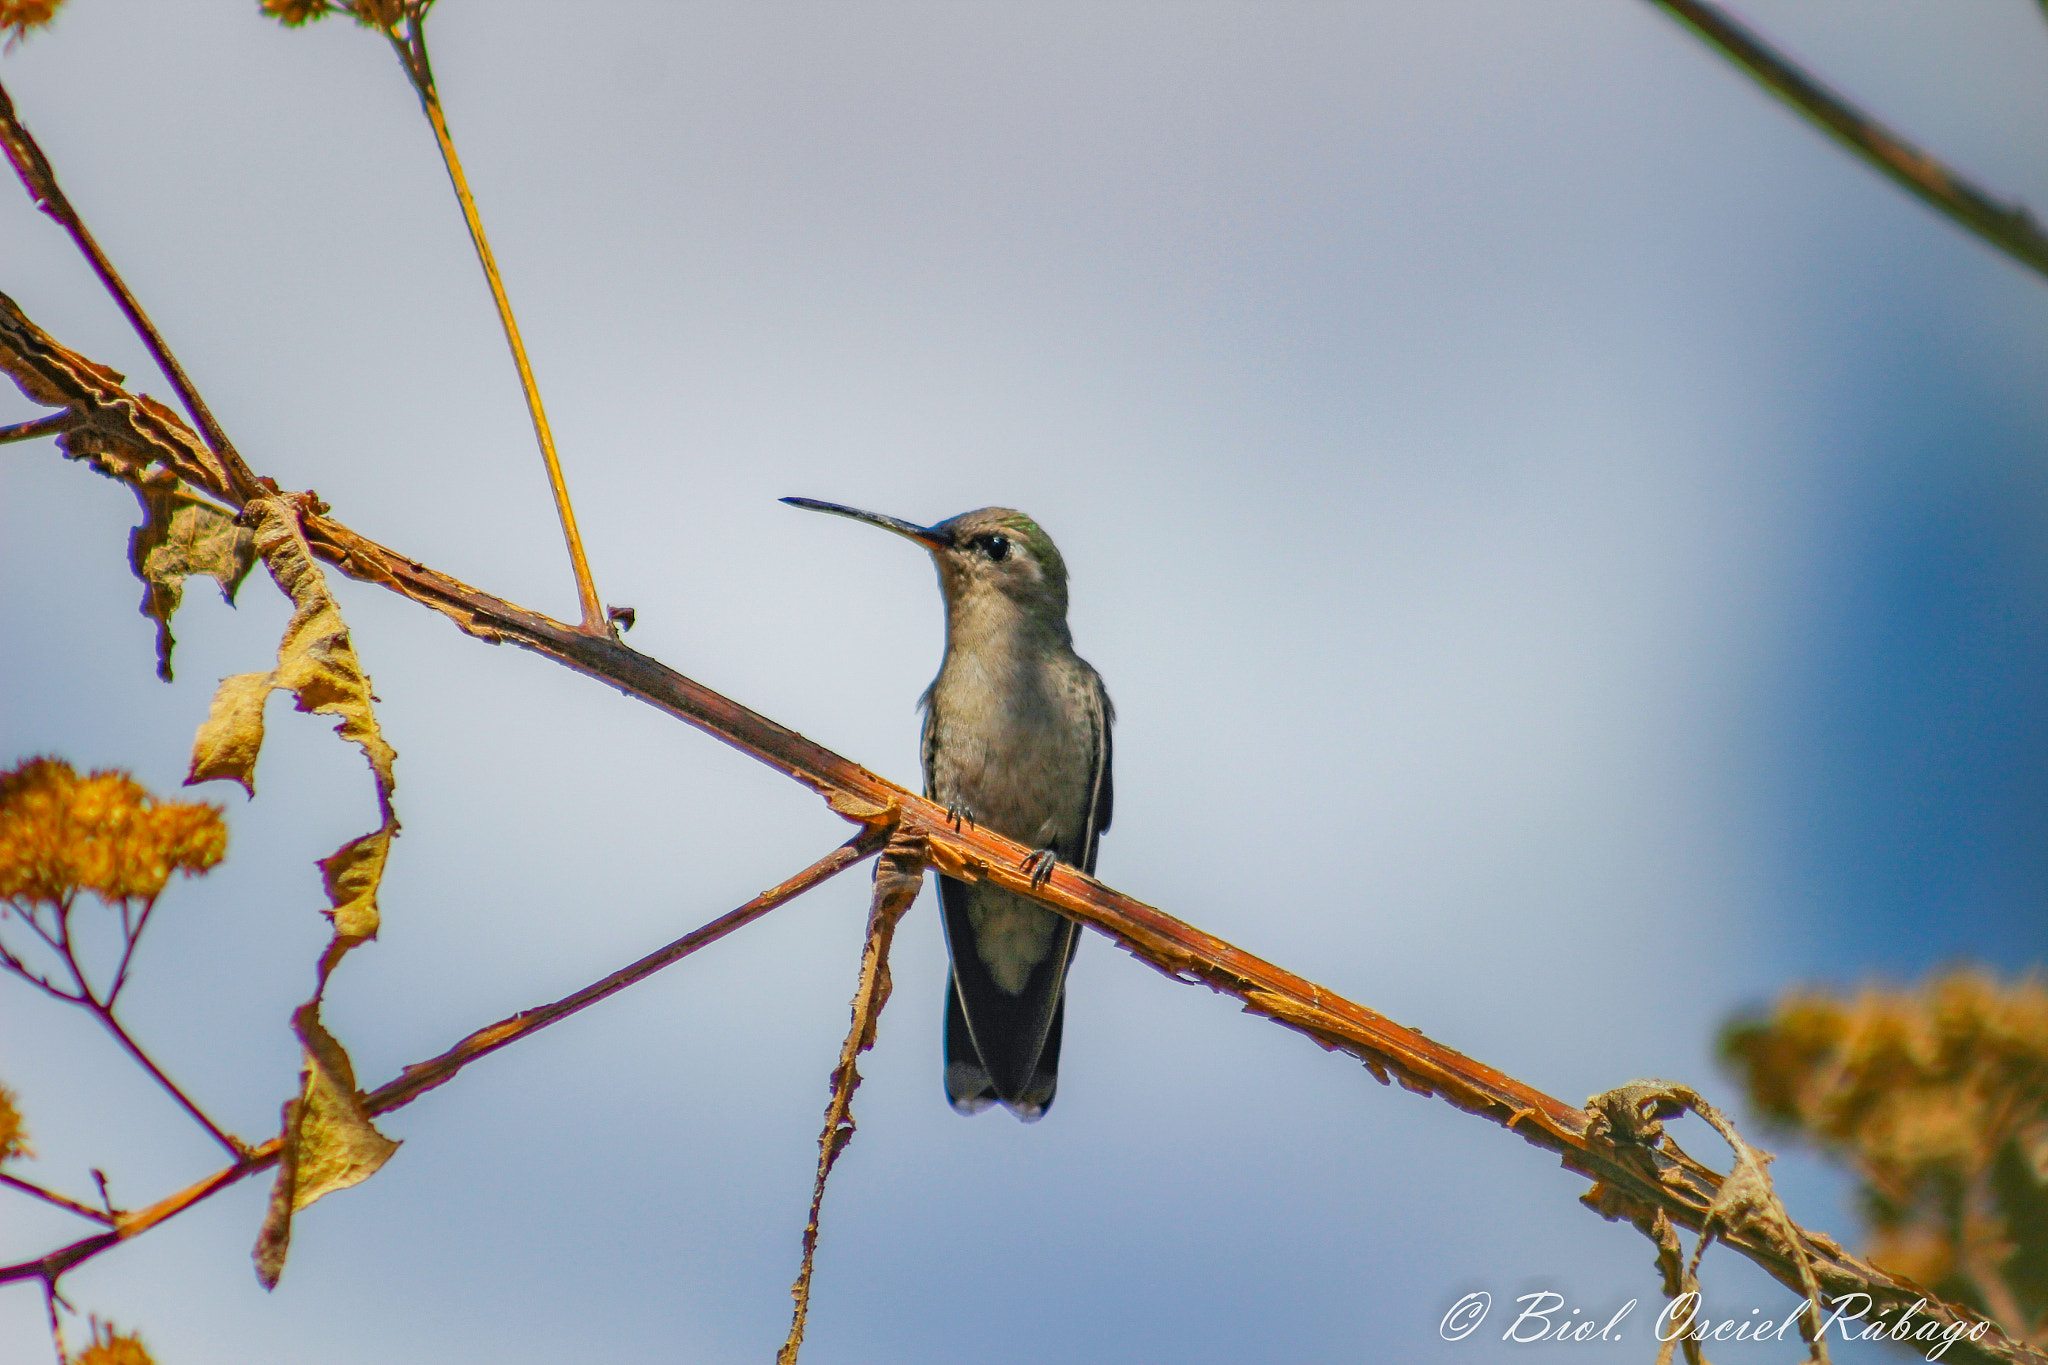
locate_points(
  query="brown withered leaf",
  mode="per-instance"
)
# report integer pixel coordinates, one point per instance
(177, 539)
(317, 664)
(316, 661)
(329, 1142)
(124, 433)
(351, 874)
(231, 736)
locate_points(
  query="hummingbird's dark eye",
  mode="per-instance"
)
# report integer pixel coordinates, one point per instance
(998, 547)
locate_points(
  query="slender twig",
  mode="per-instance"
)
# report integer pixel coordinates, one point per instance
(59, 941)
(411, 47)
(36, 174)
(899, 875)
(53, 940)
(131, 936)
(234, 1145)
(180, 493)
(13, 963)
(54, 424)
(50, 1302)
(43, 983)
(2009, 227)
(52, 1197)
(421, 1077)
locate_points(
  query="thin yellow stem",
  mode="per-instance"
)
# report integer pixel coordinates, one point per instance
(586, 590)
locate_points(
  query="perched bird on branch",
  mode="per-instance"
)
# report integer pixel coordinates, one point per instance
(1016, 739)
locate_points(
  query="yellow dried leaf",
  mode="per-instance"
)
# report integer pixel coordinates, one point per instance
(231, 736)
(177, 539)
(316, 660)
(317, 664)
(351, 874)
(329, 1141)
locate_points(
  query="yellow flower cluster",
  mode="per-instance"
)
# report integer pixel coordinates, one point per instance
(1938, 1097)
(112, 1348)
(378, 14)
(23, 15)
(292, 13)
(13, 1142)
(61, 833)
(1904, 1075)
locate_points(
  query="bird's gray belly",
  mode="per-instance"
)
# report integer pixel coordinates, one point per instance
(1026, 773)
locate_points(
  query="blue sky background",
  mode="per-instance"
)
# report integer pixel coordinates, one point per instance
(1567, 546)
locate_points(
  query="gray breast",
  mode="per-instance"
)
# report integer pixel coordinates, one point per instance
(1011, 746)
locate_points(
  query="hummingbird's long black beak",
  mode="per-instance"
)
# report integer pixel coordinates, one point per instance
(929, 537)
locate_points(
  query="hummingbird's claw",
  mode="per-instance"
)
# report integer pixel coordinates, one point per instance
(957, 814)
(1041, 864)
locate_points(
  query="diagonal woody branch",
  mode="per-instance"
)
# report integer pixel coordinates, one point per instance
(2009, 227)
(1633, 1179)
(40, 179)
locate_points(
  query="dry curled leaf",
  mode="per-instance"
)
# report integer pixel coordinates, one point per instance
(328, 1140)
(317, 664)
(126, 436)
(316, 660)
(351, 875)
(231, 736)
(177, 539)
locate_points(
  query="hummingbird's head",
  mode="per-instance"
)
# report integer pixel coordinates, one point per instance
(989, 554)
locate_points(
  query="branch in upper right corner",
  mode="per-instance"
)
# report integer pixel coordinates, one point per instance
(2009, 227)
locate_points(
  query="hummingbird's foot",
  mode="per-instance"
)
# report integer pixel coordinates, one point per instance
(1041, 864)
(960, 814)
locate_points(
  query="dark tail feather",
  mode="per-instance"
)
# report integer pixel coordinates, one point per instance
(1001, 1047)
(968, 1088)
(967, 1084)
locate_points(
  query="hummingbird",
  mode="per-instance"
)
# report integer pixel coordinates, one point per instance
(1016, 739)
